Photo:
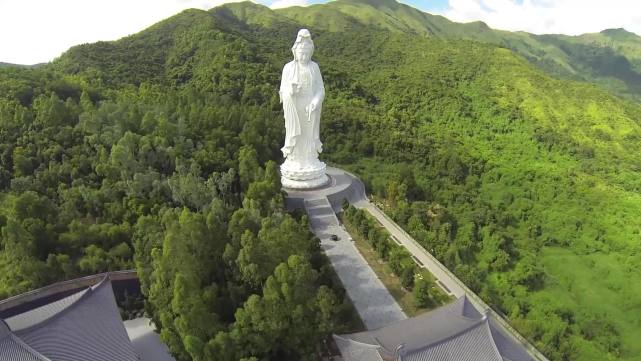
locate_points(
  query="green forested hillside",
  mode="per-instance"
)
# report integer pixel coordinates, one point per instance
(526, 186)
(611, 58)
(179, 183)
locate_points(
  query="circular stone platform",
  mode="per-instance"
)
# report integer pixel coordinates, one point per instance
(342, 186)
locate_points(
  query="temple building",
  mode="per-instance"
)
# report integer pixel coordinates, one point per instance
(455, 332)
(85, 325)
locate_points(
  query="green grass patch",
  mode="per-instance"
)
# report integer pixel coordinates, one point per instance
(603, 288)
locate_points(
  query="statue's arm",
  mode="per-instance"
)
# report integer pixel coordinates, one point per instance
(285, 86)
(283, 92)
(319, 95)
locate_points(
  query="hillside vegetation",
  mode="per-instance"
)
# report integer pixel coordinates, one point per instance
(527, 186)
(177, 183)
(611, 58)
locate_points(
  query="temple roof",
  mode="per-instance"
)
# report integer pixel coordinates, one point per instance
(354, 350)
(473, 344)
(455, 332)
(83, 326)
(13, 349)
(40, 314)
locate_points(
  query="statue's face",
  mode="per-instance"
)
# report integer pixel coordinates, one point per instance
(304, 52)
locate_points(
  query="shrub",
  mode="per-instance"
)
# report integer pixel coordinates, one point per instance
(423, 286)
(407, 277)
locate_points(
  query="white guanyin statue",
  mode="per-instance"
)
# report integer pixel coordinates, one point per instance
(302, 93)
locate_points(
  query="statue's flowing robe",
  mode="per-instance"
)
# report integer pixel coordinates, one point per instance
(297, 122)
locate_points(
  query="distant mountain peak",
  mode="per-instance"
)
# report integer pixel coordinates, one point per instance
(619, 33)
(615, 30)
(243, 5)
(248, 12)
(480, 25)
(391, 4)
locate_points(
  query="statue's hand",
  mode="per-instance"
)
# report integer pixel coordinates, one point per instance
(309, 109)
(312, 106)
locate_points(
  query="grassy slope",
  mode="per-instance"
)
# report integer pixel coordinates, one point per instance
(599, 283)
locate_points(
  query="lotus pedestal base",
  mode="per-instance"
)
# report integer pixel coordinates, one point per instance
(295, 175)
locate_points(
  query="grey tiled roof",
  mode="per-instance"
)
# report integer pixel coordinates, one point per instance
(4, 330)
(13, 349)
(353, 350)
(424, 329)
(455, 332)
(84, 326)
(474, 344)
(508, 349)
(41, 314)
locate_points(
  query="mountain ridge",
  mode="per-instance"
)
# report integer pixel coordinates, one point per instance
(3, 64)
(575, 58)
(610, 59)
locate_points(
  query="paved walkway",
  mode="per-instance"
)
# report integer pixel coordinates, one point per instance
(370, 297)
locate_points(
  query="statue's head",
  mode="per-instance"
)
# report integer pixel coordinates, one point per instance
(303, 47)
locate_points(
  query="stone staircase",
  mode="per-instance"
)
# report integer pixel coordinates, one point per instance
(321, 216)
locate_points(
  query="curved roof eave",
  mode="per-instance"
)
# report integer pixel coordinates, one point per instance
(38, 317)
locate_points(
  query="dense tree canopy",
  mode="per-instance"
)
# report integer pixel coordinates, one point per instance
(159, 151)
(178, 183)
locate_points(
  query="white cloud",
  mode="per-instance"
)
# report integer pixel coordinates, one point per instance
(571, 17)
(287, 3)
(35, 31)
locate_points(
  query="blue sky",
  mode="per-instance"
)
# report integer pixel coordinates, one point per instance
(429, 6)
(425, 5)
(29, 37)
